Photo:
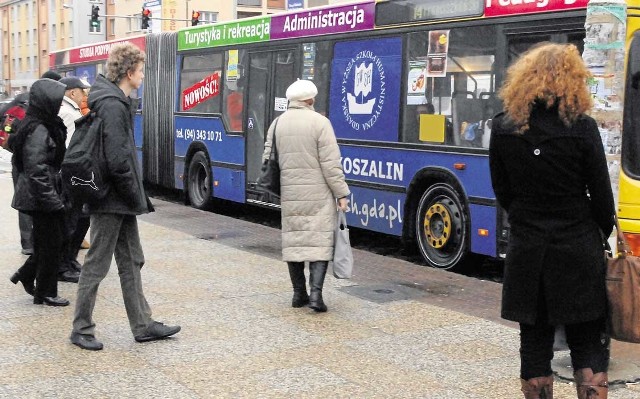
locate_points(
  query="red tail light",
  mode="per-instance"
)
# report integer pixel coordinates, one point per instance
(633, 239)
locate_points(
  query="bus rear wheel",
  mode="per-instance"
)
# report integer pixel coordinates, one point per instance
(442, 226)
(199, 181)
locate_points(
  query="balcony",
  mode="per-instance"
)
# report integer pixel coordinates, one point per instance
(250, 3)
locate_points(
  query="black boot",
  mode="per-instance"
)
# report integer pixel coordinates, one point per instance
(299, 283)
(316, 281)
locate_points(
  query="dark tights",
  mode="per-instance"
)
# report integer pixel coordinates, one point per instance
(587, 341)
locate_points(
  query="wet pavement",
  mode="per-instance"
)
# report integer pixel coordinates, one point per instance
(396, 330)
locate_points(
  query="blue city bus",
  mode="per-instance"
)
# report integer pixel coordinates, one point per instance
(410, 87)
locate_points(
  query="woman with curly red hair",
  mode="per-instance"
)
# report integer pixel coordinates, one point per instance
(549, 172)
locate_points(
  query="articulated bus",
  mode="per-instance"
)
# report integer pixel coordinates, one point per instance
(410, 87)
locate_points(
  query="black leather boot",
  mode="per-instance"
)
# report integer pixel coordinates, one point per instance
(316, 281)
(299, 283)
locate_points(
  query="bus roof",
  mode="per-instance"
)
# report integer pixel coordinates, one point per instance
(90, 52)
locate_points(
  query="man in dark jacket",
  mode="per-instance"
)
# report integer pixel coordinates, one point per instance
(114, 227)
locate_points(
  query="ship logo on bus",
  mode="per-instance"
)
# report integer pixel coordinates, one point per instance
(362, 88)
(363, 104)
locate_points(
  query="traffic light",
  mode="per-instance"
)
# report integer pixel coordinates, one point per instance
(146, 15)
(195, 18)
(95, 13)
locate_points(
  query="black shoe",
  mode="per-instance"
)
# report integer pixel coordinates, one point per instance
(27, 251)
(157, 331)
(28, 286)
(69, 276)
(300, 299)
(74, 266)
(50, 301)
(88, 342)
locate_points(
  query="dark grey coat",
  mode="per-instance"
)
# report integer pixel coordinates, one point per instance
(126, 195)
(555, 254)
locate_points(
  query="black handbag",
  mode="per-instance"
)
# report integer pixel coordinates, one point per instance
(269, 179)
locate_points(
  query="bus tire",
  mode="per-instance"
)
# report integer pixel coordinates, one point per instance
(200, 181)
(442, 227)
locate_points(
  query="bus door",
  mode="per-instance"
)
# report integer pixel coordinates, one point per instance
(269, 75)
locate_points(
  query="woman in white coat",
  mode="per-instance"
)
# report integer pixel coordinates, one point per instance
(311, 181)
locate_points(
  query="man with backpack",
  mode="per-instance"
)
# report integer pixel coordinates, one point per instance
(114, 225)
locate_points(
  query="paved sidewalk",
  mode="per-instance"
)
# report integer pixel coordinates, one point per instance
(241, 339)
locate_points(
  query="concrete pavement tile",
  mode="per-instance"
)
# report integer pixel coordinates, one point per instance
(27, 352)
(472, 351)
(60, 387)
(377, 375)
(408, 316)
(136, 383)
(270, 335)
(306, 378)
(330, 326)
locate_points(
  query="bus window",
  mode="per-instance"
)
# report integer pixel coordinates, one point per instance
(285, 67)
(196, 70)
(462, 87)
(234, 85)
(316, 68)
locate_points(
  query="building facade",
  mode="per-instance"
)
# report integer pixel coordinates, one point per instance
(31, 29)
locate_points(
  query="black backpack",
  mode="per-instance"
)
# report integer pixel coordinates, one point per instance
(84, 171)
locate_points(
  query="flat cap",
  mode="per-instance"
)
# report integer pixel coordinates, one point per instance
(74, 83)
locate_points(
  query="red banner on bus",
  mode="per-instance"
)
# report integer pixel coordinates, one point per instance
(100, 51)
(496, 8)
(201, 91)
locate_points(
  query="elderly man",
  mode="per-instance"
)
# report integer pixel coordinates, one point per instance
(312, 187)
(77, 224)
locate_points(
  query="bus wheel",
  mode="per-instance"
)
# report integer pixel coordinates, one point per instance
(441, 227)
(199, 181)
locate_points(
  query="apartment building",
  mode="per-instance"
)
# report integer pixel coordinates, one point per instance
(32, 28)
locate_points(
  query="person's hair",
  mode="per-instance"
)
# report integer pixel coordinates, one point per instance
(123, 58)
(549, 74)
(51, 75)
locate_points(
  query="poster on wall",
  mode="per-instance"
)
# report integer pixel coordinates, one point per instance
(437, 53)
(365, 90)
(87, 73)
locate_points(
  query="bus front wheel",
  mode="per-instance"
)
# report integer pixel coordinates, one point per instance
(442, 227)
(199, 181)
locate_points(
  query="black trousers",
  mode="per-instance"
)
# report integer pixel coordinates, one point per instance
(588, 343)
(76, 226)
(43, 265)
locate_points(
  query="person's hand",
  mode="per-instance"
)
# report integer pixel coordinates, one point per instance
(342, 204)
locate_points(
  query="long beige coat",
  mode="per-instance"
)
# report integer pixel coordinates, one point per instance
(311, 179)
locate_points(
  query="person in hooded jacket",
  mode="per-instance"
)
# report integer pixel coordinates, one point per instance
(114, 226)
(38, 151)
(549, 172)
(312, 188)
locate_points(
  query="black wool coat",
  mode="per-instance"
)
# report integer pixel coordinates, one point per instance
(554, 183)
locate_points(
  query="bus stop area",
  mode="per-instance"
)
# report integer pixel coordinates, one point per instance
(396, 330)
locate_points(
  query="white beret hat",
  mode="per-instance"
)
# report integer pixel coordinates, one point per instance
(301, 90)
